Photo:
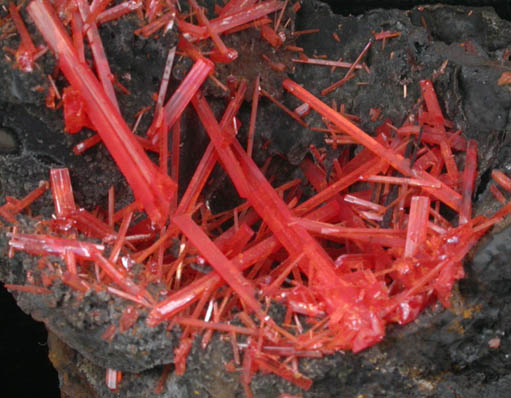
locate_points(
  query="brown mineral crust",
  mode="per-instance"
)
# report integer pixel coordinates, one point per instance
(82, 378)
(72, 383)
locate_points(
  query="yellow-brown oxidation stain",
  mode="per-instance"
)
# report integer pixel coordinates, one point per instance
(456, 327)
(423, 384)
(72, 383)
(469, 312)
(457, 301)
(460, 308)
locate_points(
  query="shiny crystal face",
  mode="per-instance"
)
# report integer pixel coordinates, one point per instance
(359, 242)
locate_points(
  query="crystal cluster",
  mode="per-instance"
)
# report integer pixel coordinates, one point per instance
(369, 248)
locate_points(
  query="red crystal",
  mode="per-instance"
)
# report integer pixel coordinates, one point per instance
(75, 114)
(277, 245)
(417, 225)
(27, 52)
(151, 188)
(184, 93)
(444, 193)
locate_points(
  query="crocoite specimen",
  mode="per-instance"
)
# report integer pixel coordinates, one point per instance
(344, 262)
(150, 187)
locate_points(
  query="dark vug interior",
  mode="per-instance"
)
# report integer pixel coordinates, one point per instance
(23, 346)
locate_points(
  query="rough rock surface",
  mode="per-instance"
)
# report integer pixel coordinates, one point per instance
(445, 353)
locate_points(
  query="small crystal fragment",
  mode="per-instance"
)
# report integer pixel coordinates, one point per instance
(113, 379)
